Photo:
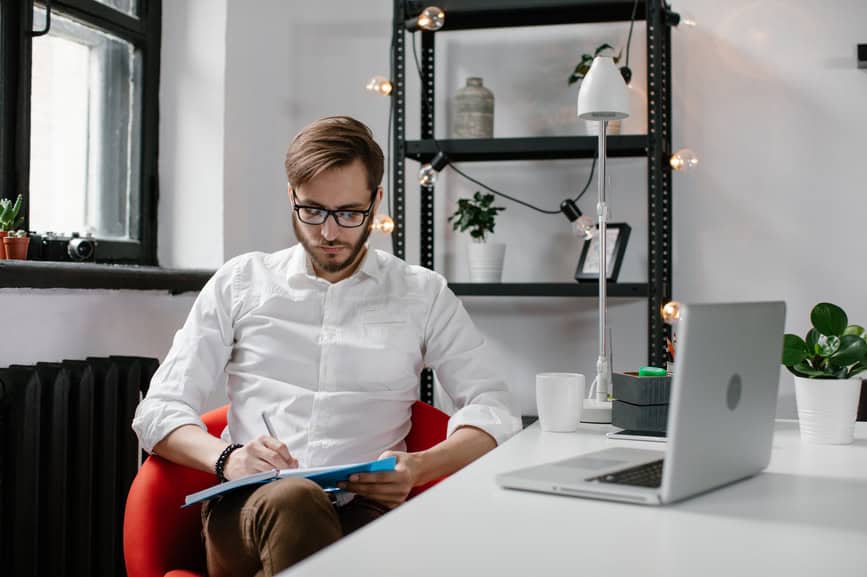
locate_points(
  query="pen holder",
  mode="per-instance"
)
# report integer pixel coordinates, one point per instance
(640, 403)
(631, 388)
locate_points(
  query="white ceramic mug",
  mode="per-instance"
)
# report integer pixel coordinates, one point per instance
(559, 400)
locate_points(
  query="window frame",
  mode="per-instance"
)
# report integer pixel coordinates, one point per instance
(143, 32)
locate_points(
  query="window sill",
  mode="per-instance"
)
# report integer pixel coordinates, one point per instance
(44, 274)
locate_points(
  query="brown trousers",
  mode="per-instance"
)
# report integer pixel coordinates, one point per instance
(263, 530)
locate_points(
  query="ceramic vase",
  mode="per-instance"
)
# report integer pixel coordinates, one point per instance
(474, 111)
(592, 127)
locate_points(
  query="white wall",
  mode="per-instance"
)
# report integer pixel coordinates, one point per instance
(192, 132)
(59, 324)
(767, 93)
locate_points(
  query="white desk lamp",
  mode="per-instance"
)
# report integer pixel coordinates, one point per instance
(603, 97)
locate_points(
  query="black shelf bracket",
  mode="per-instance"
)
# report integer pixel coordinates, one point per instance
(658, 180)
(398, 95)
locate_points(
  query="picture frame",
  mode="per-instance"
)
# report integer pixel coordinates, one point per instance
(588, 262)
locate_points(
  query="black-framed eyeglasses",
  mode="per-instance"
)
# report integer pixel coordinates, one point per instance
(318, 215)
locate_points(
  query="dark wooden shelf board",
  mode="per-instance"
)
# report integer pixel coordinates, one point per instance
(584, 289)
(544, 148)
(45, 274)
(476, 14)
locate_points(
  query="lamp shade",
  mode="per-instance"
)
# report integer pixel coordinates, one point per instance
(603, 94)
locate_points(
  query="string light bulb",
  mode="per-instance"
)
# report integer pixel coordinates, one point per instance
(675, 19)
(670, 312)
(683, 160)
(581, 223)
(379, 85)
(431, 19)
(427, 174)
(382, 223)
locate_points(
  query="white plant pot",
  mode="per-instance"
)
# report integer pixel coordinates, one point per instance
(486, 261)
(592, 127)
(827, 409)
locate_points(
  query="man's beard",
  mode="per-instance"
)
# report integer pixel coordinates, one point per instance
(331, 266)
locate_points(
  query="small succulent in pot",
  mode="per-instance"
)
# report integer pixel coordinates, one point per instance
(9, 219)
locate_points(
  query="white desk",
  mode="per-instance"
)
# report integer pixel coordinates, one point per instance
(805, 515)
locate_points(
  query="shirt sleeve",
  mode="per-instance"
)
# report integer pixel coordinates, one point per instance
(456, 351)
(193, 366)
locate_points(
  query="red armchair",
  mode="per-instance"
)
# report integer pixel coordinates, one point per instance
(160, 539)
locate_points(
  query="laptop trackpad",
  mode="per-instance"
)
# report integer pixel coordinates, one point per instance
(589, 463)
(614, 458)
(578, 468)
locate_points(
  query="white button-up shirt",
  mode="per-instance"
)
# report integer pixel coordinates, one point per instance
(334, 366)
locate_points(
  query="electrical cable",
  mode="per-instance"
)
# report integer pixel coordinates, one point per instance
(587, 184)
(426, 102)
(631, 25)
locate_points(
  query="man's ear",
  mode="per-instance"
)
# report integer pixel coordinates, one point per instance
(289, 187)
(378, 199)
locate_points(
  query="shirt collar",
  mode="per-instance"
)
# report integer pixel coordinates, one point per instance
(300, 264)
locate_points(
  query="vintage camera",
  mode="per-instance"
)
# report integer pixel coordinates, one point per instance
(56, 247)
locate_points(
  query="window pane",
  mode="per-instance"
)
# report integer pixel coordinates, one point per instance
(84, 151)
(127, 6)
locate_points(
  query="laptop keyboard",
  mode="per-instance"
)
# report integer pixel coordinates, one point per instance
(647, 475)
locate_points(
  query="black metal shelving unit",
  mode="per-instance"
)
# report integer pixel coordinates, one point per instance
(655, 145)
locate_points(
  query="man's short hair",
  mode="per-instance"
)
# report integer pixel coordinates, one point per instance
(331, 142)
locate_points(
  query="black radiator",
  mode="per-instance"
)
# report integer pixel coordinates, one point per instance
(67, 459)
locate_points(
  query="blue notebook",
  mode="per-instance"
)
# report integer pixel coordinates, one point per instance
(327, 477)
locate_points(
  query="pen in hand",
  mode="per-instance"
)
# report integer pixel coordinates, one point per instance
(293, 462)
(268, 425)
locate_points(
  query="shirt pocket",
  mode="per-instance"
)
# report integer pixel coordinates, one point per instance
(386, 354)
(388, 326)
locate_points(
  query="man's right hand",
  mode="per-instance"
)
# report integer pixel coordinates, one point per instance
(261, 454)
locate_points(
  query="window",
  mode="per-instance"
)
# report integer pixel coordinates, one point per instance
(85, 155)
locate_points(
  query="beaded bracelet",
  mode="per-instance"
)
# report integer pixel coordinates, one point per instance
(221, 461)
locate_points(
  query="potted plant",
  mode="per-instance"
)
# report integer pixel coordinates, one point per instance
(479, 217)
(825, 365)
(15, 244)
(9, 219)
(581, 70)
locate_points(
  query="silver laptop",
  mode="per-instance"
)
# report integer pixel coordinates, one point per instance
(720, 422)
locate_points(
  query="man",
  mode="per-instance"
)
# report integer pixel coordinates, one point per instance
(327, 340)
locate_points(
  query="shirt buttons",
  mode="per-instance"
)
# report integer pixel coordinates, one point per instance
(327, 336)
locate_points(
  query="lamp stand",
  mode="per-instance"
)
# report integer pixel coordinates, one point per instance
(597, 409)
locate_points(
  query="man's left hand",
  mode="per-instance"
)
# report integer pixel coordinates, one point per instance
(387, 487)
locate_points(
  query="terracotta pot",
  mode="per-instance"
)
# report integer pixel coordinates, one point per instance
(3, 234)
(16, 248)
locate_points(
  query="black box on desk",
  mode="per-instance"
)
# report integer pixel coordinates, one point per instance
(641, 403)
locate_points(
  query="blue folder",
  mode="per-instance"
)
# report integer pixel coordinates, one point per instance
(326, 477)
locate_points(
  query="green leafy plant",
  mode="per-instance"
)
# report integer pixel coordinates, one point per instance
(583, 66)
(832, 349)
(476, 214)
(9, 219)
